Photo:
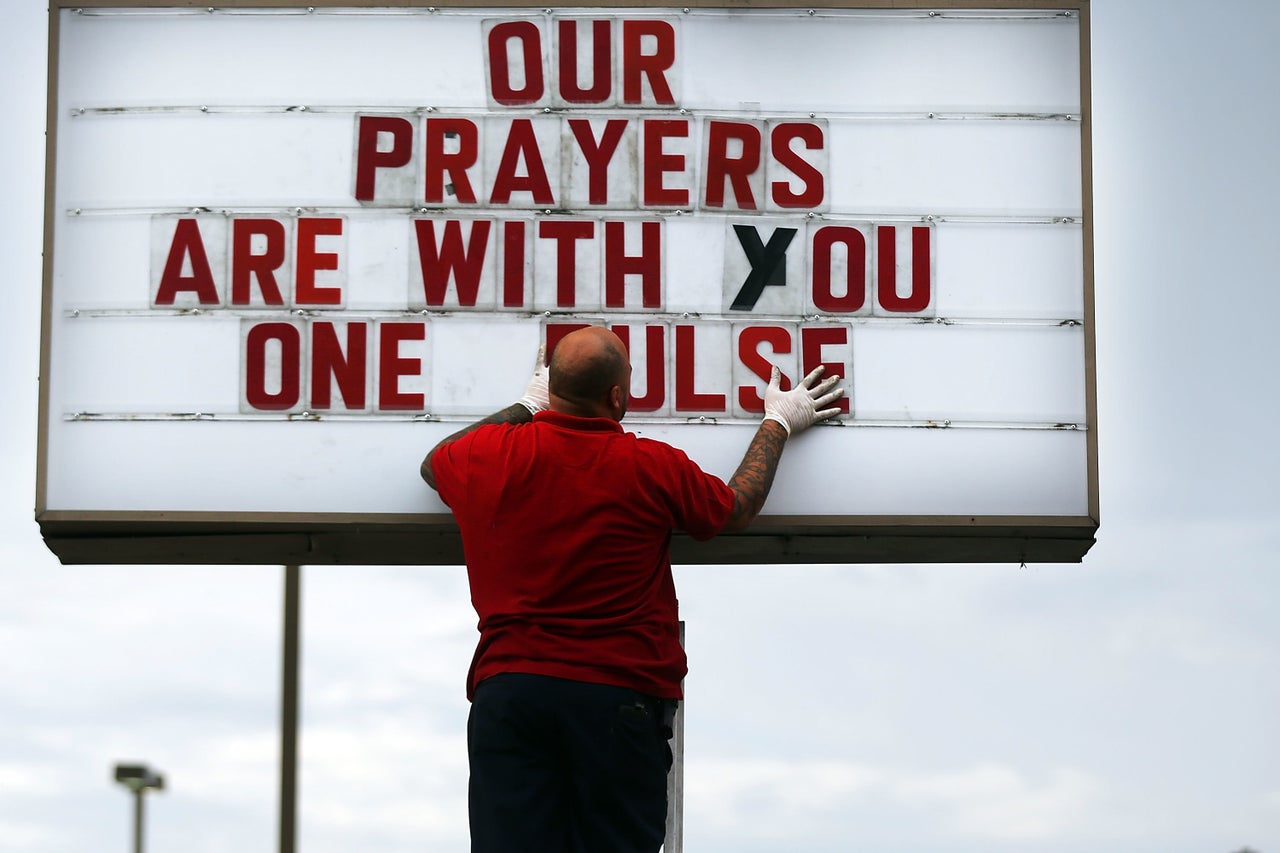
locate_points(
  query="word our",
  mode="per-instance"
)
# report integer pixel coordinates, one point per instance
(581, 62)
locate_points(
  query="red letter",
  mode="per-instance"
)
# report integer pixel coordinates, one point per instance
(391, 366)
(369, 159)
(187, 243)
(451, 259)
(598, 155)
(812, 340)
(738, 171)
(887, 274)
(601, 63)
(779, 340)
(527, 33)
(618, 264)
(522, 144)
(245, 264)
(687, 399)
(463, 134)
(655, 375)
(556, 332)
(780, 145)
(855, 283)
(513, 263)
(636, 63)
(308, 262)
(328, 363)
(255, 365)
(656, 163)
(566, 234)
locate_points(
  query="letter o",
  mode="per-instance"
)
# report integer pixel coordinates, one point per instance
(500, 83)
(256, 366)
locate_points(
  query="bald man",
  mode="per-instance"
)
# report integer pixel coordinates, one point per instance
(566, 521)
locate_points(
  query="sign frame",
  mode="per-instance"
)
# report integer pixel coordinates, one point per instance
(151, 537)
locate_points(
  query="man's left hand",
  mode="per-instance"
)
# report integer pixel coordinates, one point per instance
(536, 396)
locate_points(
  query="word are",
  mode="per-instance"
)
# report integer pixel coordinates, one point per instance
(208, 262)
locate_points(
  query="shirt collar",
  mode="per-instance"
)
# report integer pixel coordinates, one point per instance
(564, 421)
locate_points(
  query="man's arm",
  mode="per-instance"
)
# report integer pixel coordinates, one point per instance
(535, 399)
(785, 413)
(754, 477)
(516, 413)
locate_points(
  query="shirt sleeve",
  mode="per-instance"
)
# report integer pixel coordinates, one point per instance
(701, 503)
(447, 465)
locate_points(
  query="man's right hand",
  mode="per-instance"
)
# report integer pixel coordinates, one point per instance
(804, 405)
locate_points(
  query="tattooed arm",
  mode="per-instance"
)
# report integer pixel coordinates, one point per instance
(535, 399)
(516, 413)
(754, 477)
(785, 413)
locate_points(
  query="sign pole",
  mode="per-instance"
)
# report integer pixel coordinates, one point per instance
(289, 710)
(138, 821)
(675, 779)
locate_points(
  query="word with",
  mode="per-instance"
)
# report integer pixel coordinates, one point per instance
(546, 264)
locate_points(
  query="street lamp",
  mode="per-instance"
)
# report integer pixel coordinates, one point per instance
(138, 778)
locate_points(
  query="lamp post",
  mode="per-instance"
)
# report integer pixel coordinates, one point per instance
(138, 778)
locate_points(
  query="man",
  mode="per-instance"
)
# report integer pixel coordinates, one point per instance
(566, 522)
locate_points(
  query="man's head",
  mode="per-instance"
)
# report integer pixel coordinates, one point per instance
(590, 374)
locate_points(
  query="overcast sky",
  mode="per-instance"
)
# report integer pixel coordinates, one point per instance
(1125, 704)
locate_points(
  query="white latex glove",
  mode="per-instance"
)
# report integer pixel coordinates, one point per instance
(807, 403)
(536, 396)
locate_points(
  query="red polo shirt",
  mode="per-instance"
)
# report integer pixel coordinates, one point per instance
(566, 524)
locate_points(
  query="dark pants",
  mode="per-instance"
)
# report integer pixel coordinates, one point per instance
(563, 766)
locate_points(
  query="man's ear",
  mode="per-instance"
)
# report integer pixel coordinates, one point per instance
(616, 399)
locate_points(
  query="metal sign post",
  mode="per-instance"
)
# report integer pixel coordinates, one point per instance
(289, 709)
(675, 780)
(139, 778)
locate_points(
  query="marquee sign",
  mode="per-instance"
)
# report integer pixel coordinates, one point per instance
(291, 247)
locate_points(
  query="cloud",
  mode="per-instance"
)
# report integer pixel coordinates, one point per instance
(28, 779)
(785, 799)
(997, 802)
(390, 772)
(811, 788)
(32, 835)
(229, 765)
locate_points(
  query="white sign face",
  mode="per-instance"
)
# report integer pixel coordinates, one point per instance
(275, 284)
